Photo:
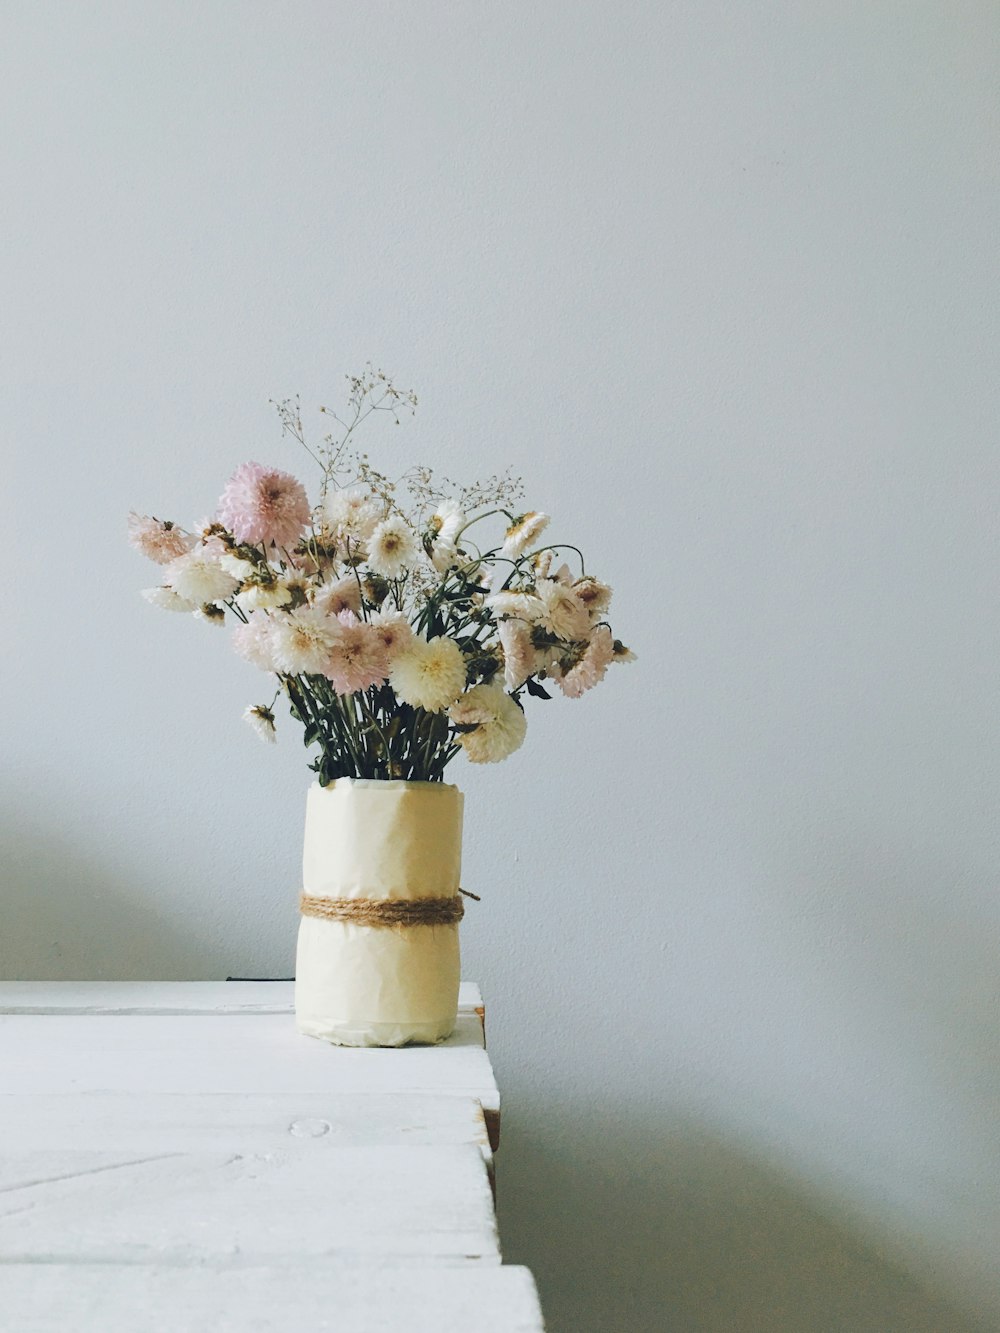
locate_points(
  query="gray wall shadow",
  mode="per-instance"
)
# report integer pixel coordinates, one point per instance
(63, 917)
(672, 1230)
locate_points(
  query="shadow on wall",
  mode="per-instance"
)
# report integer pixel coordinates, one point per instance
(63, 917)
(672, 1231)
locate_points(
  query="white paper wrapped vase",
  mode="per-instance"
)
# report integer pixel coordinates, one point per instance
(378, 952)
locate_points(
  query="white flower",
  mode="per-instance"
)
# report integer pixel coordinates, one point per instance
(445, 527)
(620, 653)
(344, 595)
(392, 548)
(264, 596)
(595, 595)
(167, 600)
(351, 513)
(301, 641)
(519, 657)
(563, 614)
(211, 615)
(261, 719)
(239, 568)
(198, 577)
(510, 602)
(523, 533)
(429, 675)
(499, 722)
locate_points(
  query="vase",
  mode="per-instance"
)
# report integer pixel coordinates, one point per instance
(378, 954)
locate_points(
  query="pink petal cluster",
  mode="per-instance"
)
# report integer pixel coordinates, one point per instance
(157, 540)
(263, 505)
(591, 668)
(358, 657)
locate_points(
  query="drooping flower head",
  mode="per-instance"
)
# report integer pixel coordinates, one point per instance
(261, 505)
(520, 660)
(442, 537)
(523, 533)
(261, 720)
(168, 600)
(595, 595)
(429, 674)
(156, 539)
(591, 668)
(498, 723)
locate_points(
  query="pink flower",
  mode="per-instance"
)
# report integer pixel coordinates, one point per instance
(344, 595)
(590, 670)
(358, 658)
(263, 505)
(254, 642)
(157, 540)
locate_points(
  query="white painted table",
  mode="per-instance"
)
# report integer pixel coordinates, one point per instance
(176, 1158)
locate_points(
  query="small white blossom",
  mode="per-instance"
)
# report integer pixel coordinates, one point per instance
(261, 720)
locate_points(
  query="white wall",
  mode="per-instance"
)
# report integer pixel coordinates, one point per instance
(721, 280)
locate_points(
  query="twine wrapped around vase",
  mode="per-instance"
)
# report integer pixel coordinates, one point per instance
(378, 955)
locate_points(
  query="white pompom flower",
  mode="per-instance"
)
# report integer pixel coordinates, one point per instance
(428, 674)
(392, 548)
(302, 641)
(498, 722)
(351, 514)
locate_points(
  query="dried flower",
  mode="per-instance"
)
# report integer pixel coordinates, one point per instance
(168, 600)
(358, 657)
(590, 669)
(429, 675)
(199, 578)
(261, 720)
(498, 724)
(523, 533)
(301, 641)
(157, 540)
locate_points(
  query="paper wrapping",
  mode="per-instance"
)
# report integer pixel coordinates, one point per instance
(379, 985)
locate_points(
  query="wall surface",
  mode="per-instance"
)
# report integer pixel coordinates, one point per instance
(721, 281)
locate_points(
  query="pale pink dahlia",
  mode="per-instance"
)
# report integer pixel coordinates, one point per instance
(358, 658)
(263, 505)
(254, 642)
(157, 540)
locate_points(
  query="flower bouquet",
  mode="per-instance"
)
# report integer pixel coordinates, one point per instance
(399, 638)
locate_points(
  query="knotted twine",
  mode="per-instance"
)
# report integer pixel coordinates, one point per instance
(387, 911)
